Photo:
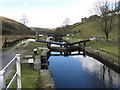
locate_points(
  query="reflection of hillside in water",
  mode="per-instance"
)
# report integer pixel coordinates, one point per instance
(105, 74)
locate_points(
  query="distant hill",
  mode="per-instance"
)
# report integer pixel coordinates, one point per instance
(38, 28)
(43, 31)
(12, 27)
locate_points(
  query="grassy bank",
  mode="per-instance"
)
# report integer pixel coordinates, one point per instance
(92, 29)
(29, 77)
(98, 45)
(103, 47)
(108, 50)
(30, 47)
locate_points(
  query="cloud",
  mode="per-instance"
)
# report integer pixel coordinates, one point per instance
(89, 63)
(25, 4)
(50, 16)
(95, 66)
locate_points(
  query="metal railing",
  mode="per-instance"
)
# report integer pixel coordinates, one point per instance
(17, 75)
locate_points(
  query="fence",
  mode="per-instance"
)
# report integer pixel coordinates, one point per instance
(17, 75)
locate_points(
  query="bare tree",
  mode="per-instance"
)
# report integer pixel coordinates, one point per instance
(24, 19)
(66, 22)
(107, 17)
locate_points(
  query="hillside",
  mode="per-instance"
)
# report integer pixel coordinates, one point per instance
(37, 28)
(92, 29)
(89, 29)
(11, 27)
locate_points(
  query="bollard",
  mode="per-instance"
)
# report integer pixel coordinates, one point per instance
(84, 44)
(35, 51)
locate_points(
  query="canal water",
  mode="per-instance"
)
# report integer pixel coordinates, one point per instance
(82, 72)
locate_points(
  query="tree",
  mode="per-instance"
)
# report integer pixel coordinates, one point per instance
(118, 5)
(66, 22)
(24, 19)
(107, 17)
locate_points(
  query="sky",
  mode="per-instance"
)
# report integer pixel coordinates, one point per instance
(47, 13)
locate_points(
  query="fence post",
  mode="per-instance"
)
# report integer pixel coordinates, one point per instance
(18, 68)
(2, 80)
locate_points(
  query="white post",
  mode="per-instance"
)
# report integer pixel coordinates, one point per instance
(2, 80)
(18, 67)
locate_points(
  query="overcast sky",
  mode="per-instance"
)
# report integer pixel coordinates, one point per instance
(47, 13)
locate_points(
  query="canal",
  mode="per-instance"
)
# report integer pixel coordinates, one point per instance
(82, 72)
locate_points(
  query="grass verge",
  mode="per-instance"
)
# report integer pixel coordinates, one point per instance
(29, 77)
(110, 50)
(30, 47)
(103, 47)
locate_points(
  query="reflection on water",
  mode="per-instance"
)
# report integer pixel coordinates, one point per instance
(82, 72)
(105, 74)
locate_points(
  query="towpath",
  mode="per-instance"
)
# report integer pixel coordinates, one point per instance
(6, 56)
